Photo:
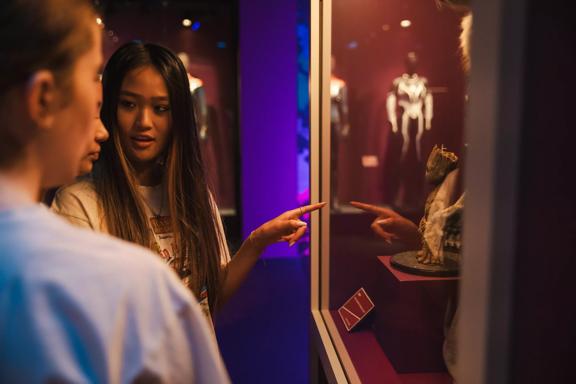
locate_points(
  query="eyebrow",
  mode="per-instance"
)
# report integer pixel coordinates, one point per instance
(136, 95)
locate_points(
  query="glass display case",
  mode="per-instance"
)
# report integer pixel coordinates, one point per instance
(372, 126)
(389, 85)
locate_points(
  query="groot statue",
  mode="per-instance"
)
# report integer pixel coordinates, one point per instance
(440, 226)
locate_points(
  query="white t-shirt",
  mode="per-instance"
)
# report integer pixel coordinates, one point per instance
(80, 307)
(78, 202)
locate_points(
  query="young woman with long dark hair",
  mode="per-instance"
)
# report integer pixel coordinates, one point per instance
(149, 186)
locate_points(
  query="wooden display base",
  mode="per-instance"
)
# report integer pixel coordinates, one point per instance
(407, 262)
(409, 321)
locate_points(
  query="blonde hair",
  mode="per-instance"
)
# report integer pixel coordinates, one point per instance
(37, 35)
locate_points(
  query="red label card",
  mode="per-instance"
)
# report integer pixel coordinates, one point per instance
(355, 309)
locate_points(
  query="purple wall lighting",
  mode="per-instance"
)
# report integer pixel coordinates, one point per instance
(268, 121)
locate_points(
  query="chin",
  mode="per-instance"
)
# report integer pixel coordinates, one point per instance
(145, 158)
(85, 168)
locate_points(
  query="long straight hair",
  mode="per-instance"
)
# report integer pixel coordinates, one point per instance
(192, 217)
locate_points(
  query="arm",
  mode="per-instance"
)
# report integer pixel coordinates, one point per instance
(428, 110)
(391, 108)
(344, 110)
(286, 227)
(201, 110)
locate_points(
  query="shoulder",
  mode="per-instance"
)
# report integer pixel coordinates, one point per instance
(80, 193)
(38, 241)
(79, 203)
(81, 188)
(59, 254)
(85, 284)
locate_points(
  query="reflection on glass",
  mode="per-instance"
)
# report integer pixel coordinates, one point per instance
(397, 90)
(198, 97)
(398, 82)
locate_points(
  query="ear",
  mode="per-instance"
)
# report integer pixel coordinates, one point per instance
(42, 98)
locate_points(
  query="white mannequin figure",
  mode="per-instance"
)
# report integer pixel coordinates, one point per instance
(410, 92)
(339, 104)
(198, 98)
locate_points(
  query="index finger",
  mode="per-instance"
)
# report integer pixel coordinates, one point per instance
(378, 211)
(367, 207)
(305, 209)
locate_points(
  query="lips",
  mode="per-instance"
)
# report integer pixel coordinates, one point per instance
(142, 141)
(94, 155)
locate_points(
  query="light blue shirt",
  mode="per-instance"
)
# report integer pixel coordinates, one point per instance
(82, 307)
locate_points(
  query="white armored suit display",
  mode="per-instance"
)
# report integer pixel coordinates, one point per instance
(410, 94)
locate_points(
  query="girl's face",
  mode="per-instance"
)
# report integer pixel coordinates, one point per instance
(144, 116)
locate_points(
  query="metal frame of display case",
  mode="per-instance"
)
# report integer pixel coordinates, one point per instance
(333, 354)
(493, 133)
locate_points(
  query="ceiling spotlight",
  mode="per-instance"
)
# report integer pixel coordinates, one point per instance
(405, 23)
(98, 21)
(186, 22)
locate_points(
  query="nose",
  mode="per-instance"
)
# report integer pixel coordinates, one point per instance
(144, 119)
(101, 132)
